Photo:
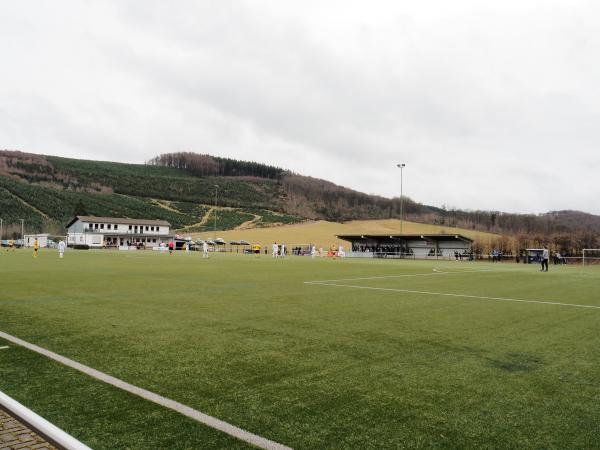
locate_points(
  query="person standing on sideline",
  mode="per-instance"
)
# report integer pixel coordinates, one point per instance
(61, 248)
(313, 252)
(205, 249)
(171, 245)
(545, 257)
(36, 245)
(282, 249)
(275, 249)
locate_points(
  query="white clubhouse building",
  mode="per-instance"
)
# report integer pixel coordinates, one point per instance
(117, 232)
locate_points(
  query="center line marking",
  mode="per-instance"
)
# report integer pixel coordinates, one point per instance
(445, 294)
(198, 416)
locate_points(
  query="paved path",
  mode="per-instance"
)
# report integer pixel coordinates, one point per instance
(14, 435)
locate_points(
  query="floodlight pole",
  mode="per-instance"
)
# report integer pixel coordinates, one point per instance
(401, 166)
(22, 232)
(0, 231)
(216, 199)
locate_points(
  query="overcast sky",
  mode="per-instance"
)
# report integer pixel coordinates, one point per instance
(491, 105)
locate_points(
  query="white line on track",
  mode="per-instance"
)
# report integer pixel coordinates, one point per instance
(198, 416)
(436, 272)
(445, 294)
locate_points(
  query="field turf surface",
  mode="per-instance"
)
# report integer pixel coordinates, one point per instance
(246, 340)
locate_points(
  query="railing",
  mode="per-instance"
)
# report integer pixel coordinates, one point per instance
(41, 426)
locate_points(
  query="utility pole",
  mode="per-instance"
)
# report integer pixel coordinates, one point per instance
(216, 201)
(22, 233)
(401, 166)
(1, 232)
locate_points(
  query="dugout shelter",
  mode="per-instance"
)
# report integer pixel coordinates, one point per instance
(534, 255)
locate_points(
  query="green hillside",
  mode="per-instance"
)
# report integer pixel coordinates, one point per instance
(47, 191)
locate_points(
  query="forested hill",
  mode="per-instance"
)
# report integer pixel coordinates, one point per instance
(180, 187)
(46, 191)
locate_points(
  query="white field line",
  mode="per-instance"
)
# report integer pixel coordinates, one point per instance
(435, 273)
(445, 294)
(4, 348)
(198, 416)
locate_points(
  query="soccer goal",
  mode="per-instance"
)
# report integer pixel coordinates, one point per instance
(53, 240)
(590, 256)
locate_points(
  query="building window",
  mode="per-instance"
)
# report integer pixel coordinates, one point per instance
(153, 240)
(146, 227)
(95, 226)
(129, 227)
(151, 228)
(157, 229)
(115, 226)
(102, 226)
(108, 226)
(90, 225)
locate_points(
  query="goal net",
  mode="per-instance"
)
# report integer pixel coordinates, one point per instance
(589, 257)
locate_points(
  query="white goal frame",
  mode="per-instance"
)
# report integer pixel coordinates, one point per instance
(588, 250)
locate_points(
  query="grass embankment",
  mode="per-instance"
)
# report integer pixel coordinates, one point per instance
(244, 339)
(324, 234)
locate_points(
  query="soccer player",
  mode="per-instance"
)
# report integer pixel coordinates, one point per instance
(171, 246)
(313, 252)
(275, 249)
(205, 249)
(11, 245)
(35, 248)
(61, 248)
(282, 250)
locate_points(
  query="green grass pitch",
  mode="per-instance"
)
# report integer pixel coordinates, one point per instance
(389, 363)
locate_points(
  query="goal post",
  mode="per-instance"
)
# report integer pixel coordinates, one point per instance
(590, 256)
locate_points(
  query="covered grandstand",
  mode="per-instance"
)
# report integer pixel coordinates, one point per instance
(409, 245)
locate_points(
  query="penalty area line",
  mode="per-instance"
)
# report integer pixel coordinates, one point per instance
(445, 294)
(187, 411)
(435, 273)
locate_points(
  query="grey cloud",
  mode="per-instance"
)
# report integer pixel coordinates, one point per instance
(482, 101)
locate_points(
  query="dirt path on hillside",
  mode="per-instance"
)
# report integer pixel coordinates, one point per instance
(165, 205)
(249, 224)
(203, 221)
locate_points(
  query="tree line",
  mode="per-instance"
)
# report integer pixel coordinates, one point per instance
(207, 165)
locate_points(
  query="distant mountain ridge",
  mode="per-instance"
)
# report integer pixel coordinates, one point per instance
(180, 187)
